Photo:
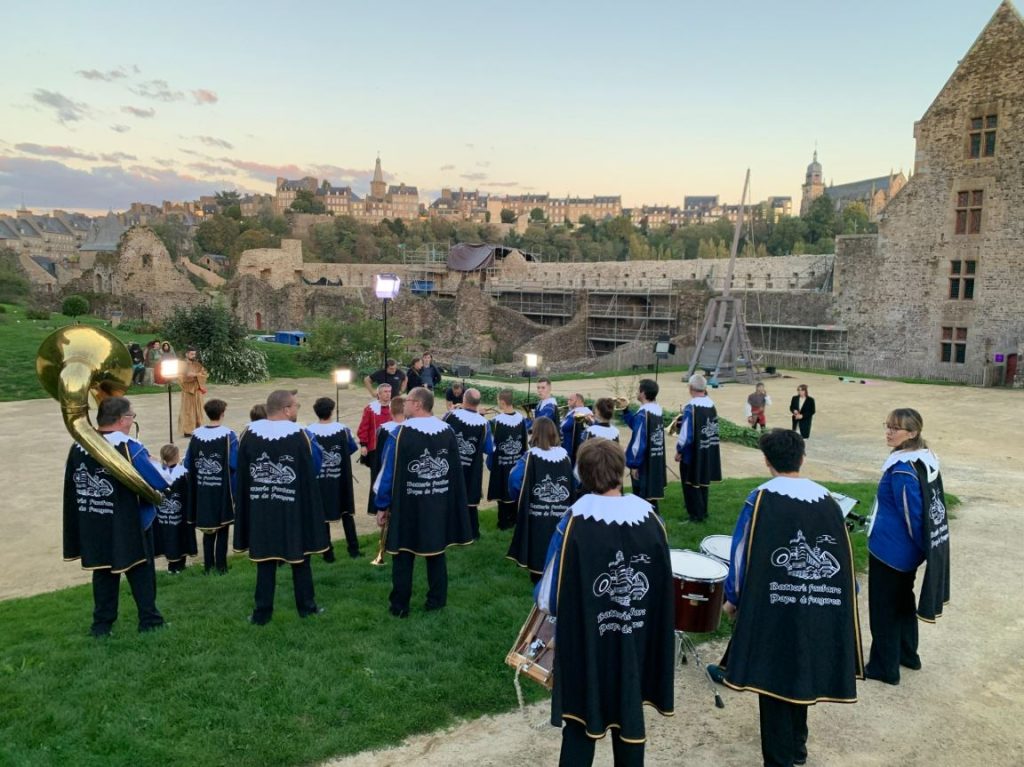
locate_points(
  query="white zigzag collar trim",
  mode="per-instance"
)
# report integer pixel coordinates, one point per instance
(326, 429)
(116, 438)
(702, 401)
(797, 488)
(600, 430)
(210, 433)
(509, 419)
(468, 417)
(426, 424)
(926, 456)
(581, 410)
(271, 430)
(552, 454)
(391, 426)
(375, 406)
(651, 407)
(548, 401)
(612, 510)
(174, 473)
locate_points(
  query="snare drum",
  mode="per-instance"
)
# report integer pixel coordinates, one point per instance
(717, 547)
(534, 651)
(699, 587)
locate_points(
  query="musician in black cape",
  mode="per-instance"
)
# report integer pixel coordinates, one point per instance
(697, 449)
(174, 537)
(510, 431)
(645, 454)
(107, 526)
(280, 517)
(792, 590)
(543, 482)
(421, 499)
(335, 477)
(212, 463)
(473, 433)
(577, 418)
(608, 580)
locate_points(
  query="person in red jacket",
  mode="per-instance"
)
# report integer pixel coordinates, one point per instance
(375, 415)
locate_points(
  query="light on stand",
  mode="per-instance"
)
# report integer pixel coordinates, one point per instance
(168, 372)
(386, 287)
(532, 362)
(663, 348)
(342, 378)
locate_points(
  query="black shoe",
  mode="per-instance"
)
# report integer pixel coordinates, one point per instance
(717, 673)
(399, 612)
(151, 627)
(222, 570)
(314, 611)
(355, 554)
(100, 633)
(254, 622)
(329, 555)
(913, 665)
(800, 759)
(869, 674)
(430, 606)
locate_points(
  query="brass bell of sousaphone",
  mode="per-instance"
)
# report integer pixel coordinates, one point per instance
(75, 363)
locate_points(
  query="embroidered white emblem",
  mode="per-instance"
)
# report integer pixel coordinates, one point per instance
(91, 486)
(428, 467)
(802, 561)
(265, 472)
(623, 583)
(936, 510)
(549, 491)
(208, 465)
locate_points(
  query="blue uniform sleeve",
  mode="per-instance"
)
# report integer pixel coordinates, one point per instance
(547, 411)
(738, 551)
(318, 452)
(352, 445)
(233, 462)
(145, 466)
(907, 489)
(385, 480)
(685, 431)
(566, 428)
(488, 443)
(516, 476)
(637, 449)
(545, 593)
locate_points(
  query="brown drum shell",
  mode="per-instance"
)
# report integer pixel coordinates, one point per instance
(534, 651)
(698, 604)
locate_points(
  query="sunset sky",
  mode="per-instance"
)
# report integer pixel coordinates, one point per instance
(103, 104)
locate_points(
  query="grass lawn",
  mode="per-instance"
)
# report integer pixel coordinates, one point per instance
(211, 689)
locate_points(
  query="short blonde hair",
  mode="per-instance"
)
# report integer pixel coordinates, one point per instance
(170, 454)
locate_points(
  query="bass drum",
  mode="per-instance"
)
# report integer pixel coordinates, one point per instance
(699, 583)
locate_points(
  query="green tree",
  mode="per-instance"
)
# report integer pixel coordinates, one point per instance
(14, 284)
(233, 211)
(820, 219)
(252, 239)
(217, 234)
(508, 216)
(537, 214)
(787, 232)
(854, 219)
(357, 344)
(306, 202)
(226, 198)
(220, 339)
(174, 234)
(75, 306)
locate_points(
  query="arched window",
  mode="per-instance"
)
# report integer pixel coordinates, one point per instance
(259, 321)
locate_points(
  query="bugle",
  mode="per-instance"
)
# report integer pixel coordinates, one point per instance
(378, 560)
(621, 403)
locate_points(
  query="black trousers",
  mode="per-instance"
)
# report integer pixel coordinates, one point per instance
(783, 731)
(266, 585)
(803, 426)
(215, 549)
(348, 525)
(696, 500)
(474, 521)
(106, 588)
(578, 748)
(893, 619)
(402, 565)
(371, 461)
(640, 488)
(507, 514)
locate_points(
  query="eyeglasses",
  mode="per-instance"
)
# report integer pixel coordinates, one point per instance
(887, 427)
(129, 415)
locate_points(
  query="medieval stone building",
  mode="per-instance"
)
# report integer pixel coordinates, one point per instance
(873, 193)
(937, 292)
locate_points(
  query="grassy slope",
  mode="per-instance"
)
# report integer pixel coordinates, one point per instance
(212, 688)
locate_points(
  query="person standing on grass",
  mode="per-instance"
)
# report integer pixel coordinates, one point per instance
(697, 449)
(107, 526)
(473, 433)
(547, 406)
(792, 591)
(335, 475)
(421, 499)
(608, 582)
(280, 517)
(375, 415)
(212, 463)
(174, 536)
(511, 435)
(645, 454)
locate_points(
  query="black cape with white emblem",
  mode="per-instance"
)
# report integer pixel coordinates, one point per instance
(703, 462)
(935, 585)
(335, 476)
(471, 432)
(102, 524)
(428, 496)
(543, 500)
(173, 536)
(211, 501)
(797, 633)
(510, 442)
(614, 637)
(279, 514)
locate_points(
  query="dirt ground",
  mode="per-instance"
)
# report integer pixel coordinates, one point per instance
(963, 708)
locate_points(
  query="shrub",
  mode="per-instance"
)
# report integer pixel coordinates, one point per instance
(235, 365)
(357, 344)
(37, 313)
(14, 284)
(142, 327)
(75, 306)
(3, 309)
(220, 339)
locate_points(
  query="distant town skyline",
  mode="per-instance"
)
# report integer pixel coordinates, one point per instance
(652, 102)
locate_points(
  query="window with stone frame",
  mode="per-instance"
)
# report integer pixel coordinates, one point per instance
(954, 345)
(981, 136)
(961, 279)
(968, 211)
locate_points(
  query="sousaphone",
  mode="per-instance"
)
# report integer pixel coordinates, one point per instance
(81, 362)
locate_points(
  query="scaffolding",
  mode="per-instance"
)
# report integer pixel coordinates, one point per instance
(545, 307)
(617, 317)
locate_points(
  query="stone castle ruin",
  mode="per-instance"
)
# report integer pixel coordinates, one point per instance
(936, 293)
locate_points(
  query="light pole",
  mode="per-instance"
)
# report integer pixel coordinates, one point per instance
(532, 361)
(386, 286)
(663, 348)
(168, 372)
(342, 378)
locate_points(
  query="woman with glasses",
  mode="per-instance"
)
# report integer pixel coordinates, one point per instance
(908, 527)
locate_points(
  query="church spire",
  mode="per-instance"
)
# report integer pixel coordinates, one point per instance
(377, 187)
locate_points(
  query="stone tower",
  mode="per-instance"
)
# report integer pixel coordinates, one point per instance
(378, 188)
(813, 187)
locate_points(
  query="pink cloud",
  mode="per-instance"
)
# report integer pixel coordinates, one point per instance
(203, 96)
(54, 151)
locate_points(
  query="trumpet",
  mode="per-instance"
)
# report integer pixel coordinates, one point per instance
(488, 410)
(621, 403)
(378, 561)
(673, 428)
